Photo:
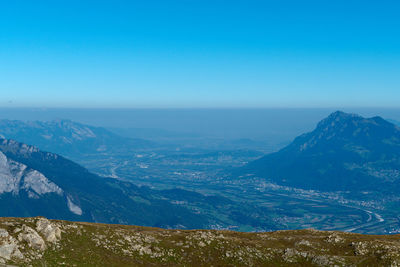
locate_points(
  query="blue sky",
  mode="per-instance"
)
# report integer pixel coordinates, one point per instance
(199, 53)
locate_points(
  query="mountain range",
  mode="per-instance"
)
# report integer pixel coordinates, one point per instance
(345, 152)
(69, 138)
(33, 182)
(38, 183)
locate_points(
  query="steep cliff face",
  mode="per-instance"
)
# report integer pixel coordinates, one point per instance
(16, 177)
(24, 188)
(42, 242)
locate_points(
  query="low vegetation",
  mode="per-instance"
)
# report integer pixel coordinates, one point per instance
(42, 242)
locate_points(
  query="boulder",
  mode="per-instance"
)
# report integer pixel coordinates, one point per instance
(50, 231)
(31, 237)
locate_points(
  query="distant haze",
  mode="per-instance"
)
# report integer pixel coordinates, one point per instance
(273, 125)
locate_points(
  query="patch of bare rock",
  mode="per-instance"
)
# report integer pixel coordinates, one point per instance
(24, 240)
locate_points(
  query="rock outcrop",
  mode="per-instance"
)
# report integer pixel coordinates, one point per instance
(16, 177)
(50, 231)
(26, 240)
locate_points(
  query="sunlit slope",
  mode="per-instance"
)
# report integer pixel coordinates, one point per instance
(40, 242)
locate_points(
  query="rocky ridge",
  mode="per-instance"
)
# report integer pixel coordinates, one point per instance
(42, 242)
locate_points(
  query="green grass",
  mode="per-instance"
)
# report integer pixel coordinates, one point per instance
(88, 244)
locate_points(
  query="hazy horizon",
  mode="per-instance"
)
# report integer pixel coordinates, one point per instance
(273, 124)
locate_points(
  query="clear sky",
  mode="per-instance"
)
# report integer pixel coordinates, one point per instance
(202, 53)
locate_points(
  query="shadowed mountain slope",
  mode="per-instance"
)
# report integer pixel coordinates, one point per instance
(37, 183)
(34, 183)
(344, 152)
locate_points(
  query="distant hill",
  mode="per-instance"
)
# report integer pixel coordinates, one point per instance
(42, 242)
(344, 152)
(69, 138)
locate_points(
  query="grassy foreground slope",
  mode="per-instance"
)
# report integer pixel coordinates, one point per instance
(42, 242)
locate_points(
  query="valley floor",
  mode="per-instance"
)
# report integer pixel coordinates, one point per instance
(286, 207)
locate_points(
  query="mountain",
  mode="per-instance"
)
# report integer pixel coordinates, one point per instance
(344, 152)
(34, 183)
(394, 122)
(42, 242)
(37, 183)
(69, 138)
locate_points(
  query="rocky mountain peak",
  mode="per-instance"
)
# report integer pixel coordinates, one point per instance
(338, 119)
(344, 128)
